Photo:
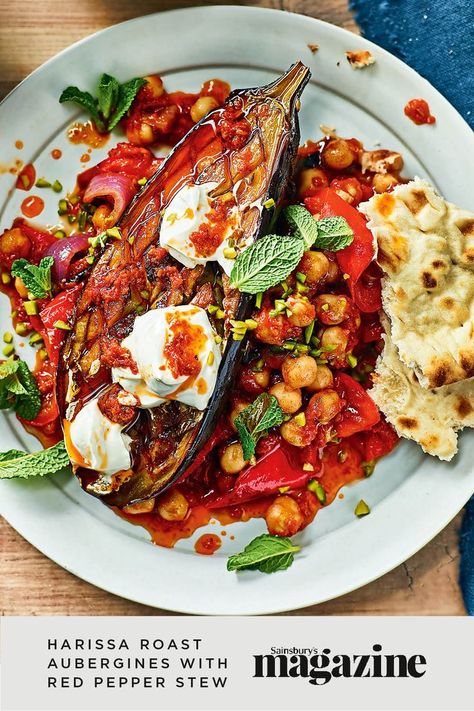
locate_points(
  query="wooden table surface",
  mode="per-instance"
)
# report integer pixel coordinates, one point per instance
(30, 584)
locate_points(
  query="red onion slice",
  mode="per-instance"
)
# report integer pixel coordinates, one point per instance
(63, 250)
(117, 188)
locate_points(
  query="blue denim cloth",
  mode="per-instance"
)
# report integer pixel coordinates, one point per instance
(437, 39)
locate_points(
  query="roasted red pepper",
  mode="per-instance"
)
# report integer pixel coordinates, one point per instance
(360, 412)
(376, 442)
(356, 259)
(267, 476)
(58, 309)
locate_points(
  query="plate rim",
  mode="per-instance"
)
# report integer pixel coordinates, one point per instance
(328, 27)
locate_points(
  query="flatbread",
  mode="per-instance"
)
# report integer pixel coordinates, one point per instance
(431, 417)
(426, 248)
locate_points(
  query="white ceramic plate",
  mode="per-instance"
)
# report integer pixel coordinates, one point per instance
(412, 497)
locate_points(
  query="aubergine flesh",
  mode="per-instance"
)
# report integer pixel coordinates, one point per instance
(248, 148)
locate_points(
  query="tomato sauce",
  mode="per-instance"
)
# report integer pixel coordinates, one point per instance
(207, 544)
(87, 134)
(19, 145)
(56, 154)
(183, 349)
(32, 206)
(419, 112)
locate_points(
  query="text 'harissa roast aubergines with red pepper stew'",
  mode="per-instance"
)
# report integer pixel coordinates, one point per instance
(244, 151)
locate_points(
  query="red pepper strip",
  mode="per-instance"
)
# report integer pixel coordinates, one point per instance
(221, 433)
(265, 477)
(360, 412)
(376, 442)
(59, 309)
(357, 257)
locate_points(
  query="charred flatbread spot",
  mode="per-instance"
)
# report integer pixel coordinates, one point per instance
(429, 282)
(438, 264)
(416, 201)
(409, 423)
(447, 302)
(468, 255)
(467, 228)
(463, 407)
(440, 376)
(467, 362)
(429, 442)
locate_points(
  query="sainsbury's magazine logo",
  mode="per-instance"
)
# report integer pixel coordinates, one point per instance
(320, 667)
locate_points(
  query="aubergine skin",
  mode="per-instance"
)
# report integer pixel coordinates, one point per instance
(122, 283)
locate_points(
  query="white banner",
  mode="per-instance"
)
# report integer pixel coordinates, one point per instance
(209, 663)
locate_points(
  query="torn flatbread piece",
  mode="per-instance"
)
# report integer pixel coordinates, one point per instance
(426, 248)
(430, 417)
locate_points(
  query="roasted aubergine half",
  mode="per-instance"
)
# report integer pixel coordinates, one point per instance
(150, 357)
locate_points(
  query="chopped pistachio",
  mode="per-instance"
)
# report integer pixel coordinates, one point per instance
(300, 419)
(141, 181)
(258, 300)
(145, 294)
(42, 183)
(217, 339)
(22, 329)
(35, 339)
(362, 509)
(14, 313)
(301, 288)
(82, 219)
(62, 207)
(62, 325)
(251, 324)
(43, 353)
(114, 232)
(351, 360)
(342, 456)
(57, 187)
(258, 366)
(325, 307)
(268, 204)
(308, 332)
(238, 336)
(8, 350)
(346, 276)
(210, 358)
(131, 239)
(308, 467)
(71, 219)
(7, 337)
(368, 468)
(6, 278)
(73, 199)
(283, 489)
(229, 252)
(31, 307)
(59, 234)
(317, 489)
(90, 259)
(300, 277)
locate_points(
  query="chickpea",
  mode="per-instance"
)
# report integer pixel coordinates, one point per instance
(302, 310)
(338, 155)
(145, 133)
(324, 379)
(235, 412)
(334, 336)
(315, 266)
(333, 272)
(311, 180)
(381, 182)
(202, 107)
(100, 217)
(262, 377)
(254, 382)
(289, 399)
(324, 406)
(21, 288)
(293, 433)
(299, 372)
(332, 309)
(232, 459)
(14, 244)
(140, 508)
(284, 517)
(155, 85)
(173, 506)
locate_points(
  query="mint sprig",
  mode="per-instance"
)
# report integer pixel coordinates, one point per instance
(23, 465)
(266, 553)
(303, 223)
(334, 233)
(37, 279)
(111, 104)
(18, 389)
(255, 421)
(266, 262)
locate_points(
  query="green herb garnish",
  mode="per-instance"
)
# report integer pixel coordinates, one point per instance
(37, 279)
(266, 553)
(15, 463)
(18, 389)
(334, 233)
(112, 102)
(266, 263)
(304, 224)
(253, 422)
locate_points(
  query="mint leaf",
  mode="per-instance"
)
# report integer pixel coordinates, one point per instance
(16, 464)
(126, 94)
(334, 234)
(266, 553)
(266, 262)
(107, 94)
(85, 101)
(303, 223)
(18, 389)
(37, 279)
(262, 414)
